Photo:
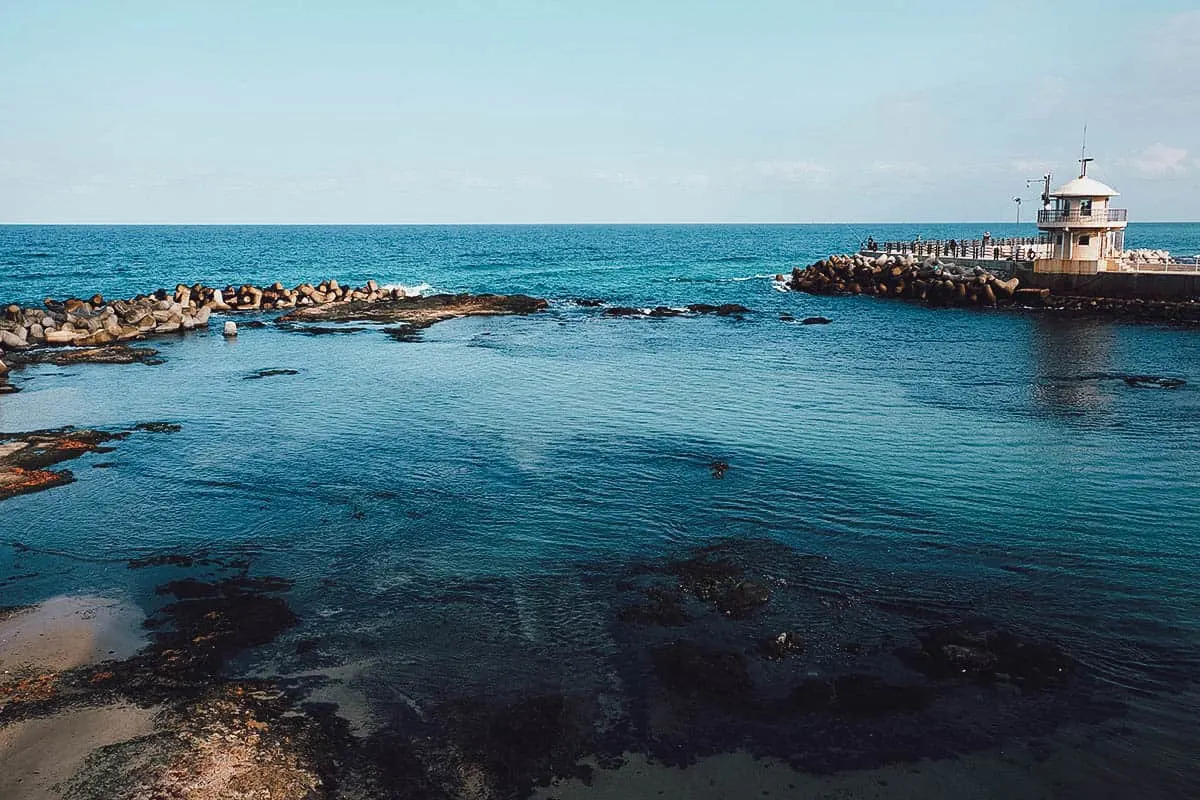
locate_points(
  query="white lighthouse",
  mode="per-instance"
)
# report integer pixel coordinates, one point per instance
(1081, 233)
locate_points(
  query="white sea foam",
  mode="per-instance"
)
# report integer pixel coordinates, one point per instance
(759, 277)
(409, 291)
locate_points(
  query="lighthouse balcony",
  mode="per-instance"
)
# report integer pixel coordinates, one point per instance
(1100, 216)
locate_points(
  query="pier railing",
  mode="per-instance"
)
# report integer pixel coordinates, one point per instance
(1021, 248)
(1097, 216)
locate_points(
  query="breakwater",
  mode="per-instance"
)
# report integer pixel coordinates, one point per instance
(937, 283)
(100, 326)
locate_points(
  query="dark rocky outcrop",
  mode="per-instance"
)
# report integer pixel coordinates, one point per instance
(105, 354)
(695, 309)
(982, 651)
(270, 373)
(26, 458)
(696, 669)
(418, 311)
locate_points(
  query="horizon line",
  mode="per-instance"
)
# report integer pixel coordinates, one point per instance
(524, 224)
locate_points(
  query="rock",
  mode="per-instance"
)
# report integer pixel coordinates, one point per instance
(12, 341)
(230, 329)
(815, 321)
(694, 669)
(100, 337)
(3, 368)
(742, 599)
(60, 337)
(202, 315)
(719, 468)
(270, 373)
(664, 608)
(778, 647)
(1153, 381)
(978, 650)
(1006, 288)
(1033, 297)
(167, 327)
(218, 301)
(870, 696)
(813, 694)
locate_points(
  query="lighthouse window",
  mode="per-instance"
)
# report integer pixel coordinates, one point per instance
(1059, 239)
(1085, 208)
(1085, 240)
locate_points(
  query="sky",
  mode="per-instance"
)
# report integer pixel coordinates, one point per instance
(532, 111)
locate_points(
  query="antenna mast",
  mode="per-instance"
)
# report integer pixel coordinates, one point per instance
(1083, 156)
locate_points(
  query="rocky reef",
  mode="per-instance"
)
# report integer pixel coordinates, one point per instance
(416, 312)
(26, 458)
(935, 283)
(694, 309)
(738, 646)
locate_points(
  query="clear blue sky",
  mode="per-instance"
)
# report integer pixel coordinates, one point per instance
(613, 111)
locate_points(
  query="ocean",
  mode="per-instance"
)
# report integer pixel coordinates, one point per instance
(465, 515)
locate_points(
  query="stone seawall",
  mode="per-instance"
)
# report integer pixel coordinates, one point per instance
(1123, 285)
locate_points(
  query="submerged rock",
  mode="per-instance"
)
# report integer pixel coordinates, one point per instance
(870, 695)
(1153, 381)
(418, 311)
(270, 373)
(695, 669)
(25, 458)
(776, 648)
(981, 651)
(725, 310)
(741, 599)
(108, 354)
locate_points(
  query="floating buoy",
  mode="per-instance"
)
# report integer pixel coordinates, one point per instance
(230, 330)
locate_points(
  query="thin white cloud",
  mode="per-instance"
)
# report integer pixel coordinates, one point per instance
(1160, 161)
(902, 169)
(618, 177)
(1176, 41)
(1032, 167)
(694, 180)
(792, 171)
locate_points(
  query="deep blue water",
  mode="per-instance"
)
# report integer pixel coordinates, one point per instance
(949, 460)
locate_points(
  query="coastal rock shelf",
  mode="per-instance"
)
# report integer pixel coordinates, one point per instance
(26, 458)
(420, 311)
(937, 284)
(98, 326)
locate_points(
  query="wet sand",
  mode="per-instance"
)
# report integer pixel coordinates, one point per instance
(68, 632)
(37, 756)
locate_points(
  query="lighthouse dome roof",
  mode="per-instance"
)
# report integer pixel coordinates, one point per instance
(1084, 187)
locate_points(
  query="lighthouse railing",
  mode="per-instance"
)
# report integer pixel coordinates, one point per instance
(1074, 215)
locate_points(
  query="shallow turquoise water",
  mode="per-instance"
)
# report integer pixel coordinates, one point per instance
(949, 461)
